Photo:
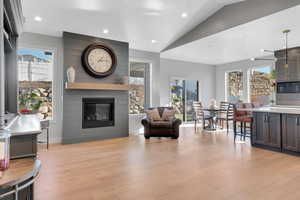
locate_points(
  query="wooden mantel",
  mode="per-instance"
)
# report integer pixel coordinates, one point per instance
(96, 86)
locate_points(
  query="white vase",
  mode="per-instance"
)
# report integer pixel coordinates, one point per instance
(71, 73)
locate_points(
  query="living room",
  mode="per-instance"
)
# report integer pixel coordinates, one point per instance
(149, 99)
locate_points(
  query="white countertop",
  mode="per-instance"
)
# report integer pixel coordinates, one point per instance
(24, 125)
(276, 109)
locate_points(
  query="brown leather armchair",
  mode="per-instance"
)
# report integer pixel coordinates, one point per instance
(161, 128)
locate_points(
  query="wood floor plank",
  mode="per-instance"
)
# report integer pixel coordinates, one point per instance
(196, 166)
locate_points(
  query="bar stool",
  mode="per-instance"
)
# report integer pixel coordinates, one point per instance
(244, 118)
(248, 120)
(238, 118)
(45, 124)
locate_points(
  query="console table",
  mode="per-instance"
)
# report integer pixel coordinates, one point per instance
(17, 182)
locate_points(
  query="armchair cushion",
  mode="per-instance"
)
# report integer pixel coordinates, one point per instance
(168, 114)
(153, 115)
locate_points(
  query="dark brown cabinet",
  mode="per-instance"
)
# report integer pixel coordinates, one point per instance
(291, 132)
(274, 133)
(267, 129)
(292, 72)
(282, 72)
(259, 128)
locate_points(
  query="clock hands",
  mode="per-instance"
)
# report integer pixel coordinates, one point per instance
(100, 59)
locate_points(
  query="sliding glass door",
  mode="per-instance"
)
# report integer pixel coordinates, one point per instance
(183, 94)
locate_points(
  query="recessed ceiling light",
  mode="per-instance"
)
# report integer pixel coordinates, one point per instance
(184, 15)
(38, 18)
(105, 31)
(153, 41)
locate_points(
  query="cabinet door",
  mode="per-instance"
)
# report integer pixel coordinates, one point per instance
(293, 69)
(282, 72)
(290, 132)
(274, 131)
(260, 128)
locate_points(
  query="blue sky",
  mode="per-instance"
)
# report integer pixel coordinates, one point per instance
(264, 69)
(37, 53)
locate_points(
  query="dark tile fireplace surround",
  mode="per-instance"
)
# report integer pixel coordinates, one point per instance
(98, 112)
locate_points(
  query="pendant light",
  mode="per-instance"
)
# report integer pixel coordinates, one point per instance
(286, 32)
(286, 65)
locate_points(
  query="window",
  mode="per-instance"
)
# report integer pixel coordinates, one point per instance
(234, 86)
(137, 80)
(261, 85)
(35, 82)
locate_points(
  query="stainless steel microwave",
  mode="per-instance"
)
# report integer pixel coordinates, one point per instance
(288, 87)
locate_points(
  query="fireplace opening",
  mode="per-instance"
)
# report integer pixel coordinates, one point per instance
(98, 112)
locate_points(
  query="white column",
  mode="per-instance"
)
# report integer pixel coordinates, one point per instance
(2, 69)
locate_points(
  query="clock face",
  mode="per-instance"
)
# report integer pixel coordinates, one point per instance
(100, 60)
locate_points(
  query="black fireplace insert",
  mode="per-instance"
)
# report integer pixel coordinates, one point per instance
(98, 112)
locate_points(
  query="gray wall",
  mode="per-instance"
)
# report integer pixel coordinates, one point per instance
(74, 45)
(11, 79)
(55, 44)
(243, 66)
(39, 41)
(205, 74)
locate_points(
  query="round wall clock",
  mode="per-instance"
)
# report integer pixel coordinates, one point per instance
(99, 60)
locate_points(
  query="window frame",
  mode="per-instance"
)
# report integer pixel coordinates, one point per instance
(226, 82)
(249, 71)
(55, 72)
(147, 85)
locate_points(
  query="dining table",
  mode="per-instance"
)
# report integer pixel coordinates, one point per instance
(213, 112)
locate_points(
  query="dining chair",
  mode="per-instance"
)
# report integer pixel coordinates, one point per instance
(199, 114)
(229, 115)
(222, 115)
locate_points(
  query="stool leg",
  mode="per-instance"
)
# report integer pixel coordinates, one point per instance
(227, 126)
(47, 138)
(234, 129)
(245, 130)
(241, 135)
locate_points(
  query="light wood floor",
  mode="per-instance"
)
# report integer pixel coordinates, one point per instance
(196, 166)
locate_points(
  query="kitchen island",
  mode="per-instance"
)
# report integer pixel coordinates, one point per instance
(17, 182)
(24, 130)
(276, 128)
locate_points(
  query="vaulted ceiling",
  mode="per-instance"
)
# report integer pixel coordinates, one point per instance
(242, 42)
(146, 24)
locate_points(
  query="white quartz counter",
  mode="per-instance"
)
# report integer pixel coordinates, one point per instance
(276, 109)
(24, 125)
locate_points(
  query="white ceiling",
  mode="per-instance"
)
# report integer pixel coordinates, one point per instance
(135, 21)
(242, 42)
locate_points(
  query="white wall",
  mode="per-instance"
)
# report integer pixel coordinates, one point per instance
(244, 66)
(162, 71)
(44, 42)
(154, 60)
(205, 74)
